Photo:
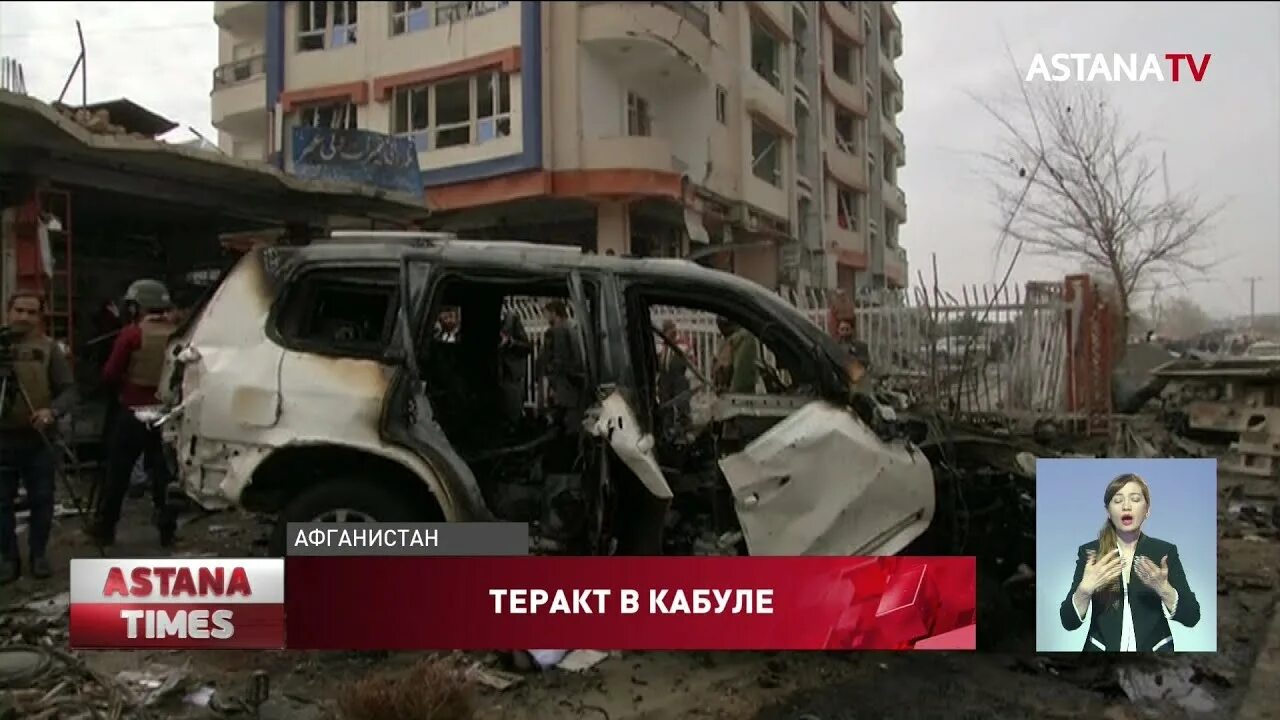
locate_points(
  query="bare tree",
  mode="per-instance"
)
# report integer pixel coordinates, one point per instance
(1071, 182)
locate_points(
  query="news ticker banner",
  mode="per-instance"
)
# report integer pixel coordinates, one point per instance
(400, 587)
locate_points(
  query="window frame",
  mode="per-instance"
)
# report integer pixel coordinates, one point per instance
(329, 29)
(639, 115)
(405, 12)
(295, 305)
(426, 137)
(776, 82)
(349, 110)
(847, 210)
(762, 128)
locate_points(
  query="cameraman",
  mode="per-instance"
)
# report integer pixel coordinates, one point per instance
(136, 361)
(39, 389)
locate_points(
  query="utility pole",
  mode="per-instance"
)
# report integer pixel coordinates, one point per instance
(1253, 281)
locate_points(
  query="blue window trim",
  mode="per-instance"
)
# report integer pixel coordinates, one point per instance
(530, 155)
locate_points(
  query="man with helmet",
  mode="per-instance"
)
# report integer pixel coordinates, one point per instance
(134, 368)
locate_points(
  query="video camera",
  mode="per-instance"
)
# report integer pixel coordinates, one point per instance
(8, 338)
(8, 382)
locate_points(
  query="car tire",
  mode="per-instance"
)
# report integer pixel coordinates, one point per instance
(378, 501)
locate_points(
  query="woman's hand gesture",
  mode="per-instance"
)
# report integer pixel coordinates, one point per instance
(1099, 572)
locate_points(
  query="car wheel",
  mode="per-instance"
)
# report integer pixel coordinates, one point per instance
(353, 500)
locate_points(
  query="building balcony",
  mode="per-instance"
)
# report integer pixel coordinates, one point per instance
(846, 166)
(893, 135)
(762, 98)
(650, 36)
(774, 13)
(895, 266)
(847, 245)
(246, 19)
(844, 20)
(631, 152)
(889, 15)
(895, 201)
(888, 71)
(845, 93)
(239, 95)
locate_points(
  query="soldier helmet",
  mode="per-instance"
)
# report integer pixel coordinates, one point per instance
(150, 295)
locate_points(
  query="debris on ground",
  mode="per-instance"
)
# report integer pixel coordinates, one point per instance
(49, 683)
(433, 688)
(154, 685)
(570, 660)
(492, 678)
(1166, 685)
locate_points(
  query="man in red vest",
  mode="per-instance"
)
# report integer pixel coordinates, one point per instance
(134, 368)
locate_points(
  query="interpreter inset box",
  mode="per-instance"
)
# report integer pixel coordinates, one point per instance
(1126, 555)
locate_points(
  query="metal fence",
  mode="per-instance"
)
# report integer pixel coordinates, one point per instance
(985, 352)
(988, 351)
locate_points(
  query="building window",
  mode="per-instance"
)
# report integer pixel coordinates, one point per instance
(460, 111)
(847, 5)
(339, 116)
(411, 16)
(802, 140)
(452, 12)
(766, 154)
(803, 208)
(639, 118)
(846, 209)
(866, 27)
(722, 104)
(842, 60)
(846, 136)
(766, 53)
(326, 24)
(719, 7)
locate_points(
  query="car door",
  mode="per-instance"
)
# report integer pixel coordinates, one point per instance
(621, 428)
(407, 418)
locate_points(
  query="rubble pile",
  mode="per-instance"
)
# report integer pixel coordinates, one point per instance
(97, 122)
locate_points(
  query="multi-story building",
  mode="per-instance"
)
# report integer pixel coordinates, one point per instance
(757, 136)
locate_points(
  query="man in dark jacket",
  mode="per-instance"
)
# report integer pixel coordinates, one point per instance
(38, 389)
(134, 368)
(513, 365)
(562, 367)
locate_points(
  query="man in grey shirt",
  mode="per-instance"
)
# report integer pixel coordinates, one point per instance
(38, 389)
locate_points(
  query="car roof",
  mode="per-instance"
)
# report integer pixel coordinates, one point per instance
(513, 254)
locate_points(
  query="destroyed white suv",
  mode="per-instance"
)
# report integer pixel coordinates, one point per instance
(310, 386)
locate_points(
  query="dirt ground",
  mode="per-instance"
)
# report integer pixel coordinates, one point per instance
(760, 686)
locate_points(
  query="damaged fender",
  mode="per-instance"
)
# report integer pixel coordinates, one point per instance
(617, 424)
(822, 483)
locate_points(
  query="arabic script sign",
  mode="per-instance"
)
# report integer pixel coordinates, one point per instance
(357, 156)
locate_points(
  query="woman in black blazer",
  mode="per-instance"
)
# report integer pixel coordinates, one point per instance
(1133, 583)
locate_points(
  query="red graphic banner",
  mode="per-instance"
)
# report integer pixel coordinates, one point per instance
(177, 625)
(641, 603)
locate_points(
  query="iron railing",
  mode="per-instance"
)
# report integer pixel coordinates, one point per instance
(239, 71)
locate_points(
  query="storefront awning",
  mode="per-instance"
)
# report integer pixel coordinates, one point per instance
(37, 141)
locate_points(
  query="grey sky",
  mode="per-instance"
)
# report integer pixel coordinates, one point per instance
(1222, 135)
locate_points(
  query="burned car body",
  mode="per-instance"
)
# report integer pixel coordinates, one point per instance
(310, 386)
